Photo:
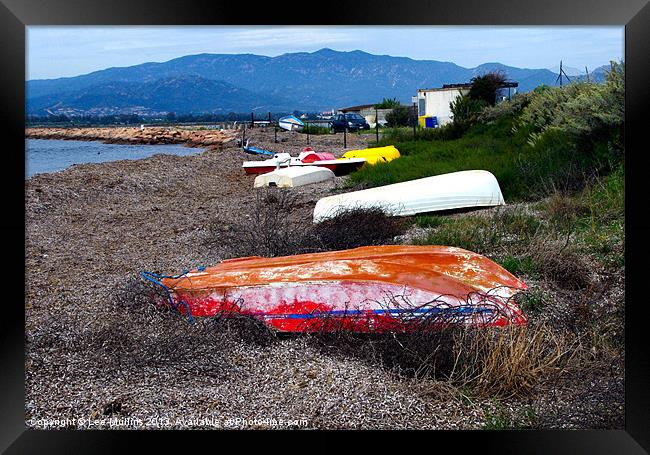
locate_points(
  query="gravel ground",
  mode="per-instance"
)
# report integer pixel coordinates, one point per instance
(92, 228)
(95, 358)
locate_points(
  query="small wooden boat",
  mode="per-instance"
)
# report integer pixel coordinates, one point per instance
(441, 192)
(375, 154)
(293, 176)
(367, 289)
(307, 158)
(291, 123)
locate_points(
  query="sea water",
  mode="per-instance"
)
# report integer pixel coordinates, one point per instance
(45, 155)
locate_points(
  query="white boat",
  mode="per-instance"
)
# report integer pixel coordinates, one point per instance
(441, 192)
(291, 123)
(290, 177)
(340, 166)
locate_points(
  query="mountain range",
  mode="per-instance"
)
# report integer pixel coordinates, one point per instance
(222, 83)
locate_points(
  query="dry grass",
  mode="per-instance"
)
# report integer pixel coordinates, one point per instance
(508, 361)
(274, 229)
(479, 362)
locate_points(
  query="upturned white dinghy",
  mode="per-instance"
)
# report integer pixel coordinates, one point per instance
(291, 123)
(441, 192)
(290, 177)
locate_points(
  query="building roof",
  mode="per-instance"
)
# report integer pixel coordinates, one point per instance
(464, 85)
(446, 87)
(356, 108)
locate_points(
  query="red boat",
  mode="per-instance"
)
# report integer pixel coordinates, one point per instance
(341, 166)
(367, 289)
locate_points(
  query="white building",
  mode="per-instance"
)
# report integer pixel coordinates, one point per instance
(435, 101)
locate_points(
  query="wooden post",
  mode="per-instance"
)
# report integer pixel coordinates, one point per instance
(269, 118)
(307, 126)
(243, 136)
(376, 125)
(345, 137)
(275, 131)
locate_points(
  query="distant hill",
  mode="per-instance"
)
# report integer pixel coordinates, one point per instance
(304, 81)
(183, 93)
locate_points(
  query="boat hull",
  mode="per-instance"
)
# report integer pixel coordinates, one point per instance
(293, 176)
(368, 289)
(442, 192)
(339, 167)
(257, 151)
(291, 123)
(375, 155)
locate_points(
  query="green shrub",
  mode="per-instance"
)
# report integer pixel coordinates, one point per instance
(592, 113)
(466, 111)
(399, 116)
(485, 87)
(509, 108)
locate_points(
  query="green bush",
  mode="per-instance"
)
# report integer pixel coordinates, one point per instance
(593, 113)
(485, 87)
(399, 116)
(509, 108)
(466, 111)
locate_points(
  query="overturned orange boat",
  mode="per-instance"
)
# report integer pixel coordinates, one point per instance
(367, 289)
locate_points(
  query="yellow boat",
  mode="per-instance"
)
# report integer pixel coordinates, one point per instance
(375, 155)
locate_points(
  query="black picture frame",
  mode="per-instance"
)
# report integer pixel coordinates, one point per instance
(15, 15)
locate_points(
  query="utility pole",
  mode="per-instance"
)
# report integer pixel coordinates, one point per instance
(562, 73)
(376, 124)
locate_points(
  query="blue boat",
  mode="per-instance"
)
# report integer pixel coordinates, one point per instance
(257, 151)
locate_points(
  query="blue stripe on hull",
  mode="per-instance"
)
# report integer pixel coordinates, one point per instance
(394, 311)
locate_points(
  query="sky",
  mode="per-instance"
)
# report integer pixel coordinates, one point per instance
(61, 51)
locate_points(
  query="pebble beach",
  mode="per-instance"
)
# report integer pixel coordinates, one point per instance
(97, 358)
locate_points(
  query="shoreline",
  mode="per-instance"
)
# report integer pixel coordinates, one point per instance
(49, 158)
(208, 139)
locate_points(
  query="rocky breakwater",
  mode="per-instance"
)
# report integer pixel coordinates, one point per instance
(209, 139)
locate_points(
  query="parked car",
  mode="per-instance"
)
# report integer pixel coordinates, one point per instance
(349, 121)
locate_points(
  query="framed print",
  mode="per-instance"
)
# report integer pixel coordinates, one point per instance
(368, 216)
